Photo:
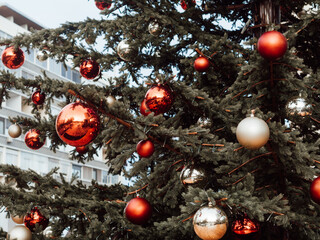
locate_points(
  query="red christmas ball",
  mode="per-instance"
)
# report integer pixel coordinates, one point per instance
(103, 5)
(12, 58)
(144, 110)
(244, 228)
(77, 124)
(38, 97)
(89, 69)
(145, 148)
(159, 99)
(35, 218)
(184, 4)
(315, 190)
(201, 64)
(32, 139)
(138, 210)
(272, 45)
(82, 150)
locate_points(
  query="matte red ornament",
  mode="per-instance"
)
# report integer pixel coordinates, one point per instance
(244, 228)
(315, 190)
(201, 64)
(138, 210)
(272, 45)
(103, 5)
(82, 150)
(35, 217)
(32, 139)
(89, 69)
(184, 4)
(12, 58)
(38, 97)
(144, 110)
(77, 124)
(159, 99)
(145, 148)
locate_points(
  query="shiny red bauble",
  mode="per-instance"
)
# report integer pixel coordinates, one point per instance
(145, 148)
(185, 5)
(89, 69)
(35, 218)
(244, 228)
(12, 58)
(38, 97)
(32, 139)
(138, 210)
(201, 64)
(272, 45)
(315, 190)
(103, 5)
(144, 110)
(82, 150)
(77, 124)
(159, 99)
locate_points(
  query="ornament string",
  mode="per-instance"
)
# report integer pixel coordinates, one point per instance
(239, 180)
(85, 215)
(130, 193)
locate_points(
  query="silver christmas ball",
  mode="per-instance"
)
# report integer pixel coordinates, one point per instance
(14, 131)
(19, 232)
(192, 175)
(204, 122)
(17, 219)
(125, 51)
(252, 133)
(111, 101)
(210, 223)
(298, 109)
(42, 56)
(48, 232)
(155, 28)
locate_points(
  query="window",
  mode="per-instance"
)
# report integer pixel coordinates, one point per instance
(76, 77)
(2, 125)
(54, 66)
(32, 161)
(29, 56)
(95, 174)
(104, 176)
(26, 159)
(115, 179)
(76, 170)
(12, 157)
(27, 75)
(43, 64)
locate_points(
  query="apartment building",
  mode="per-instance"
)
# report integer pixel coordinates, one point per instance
(14, 151)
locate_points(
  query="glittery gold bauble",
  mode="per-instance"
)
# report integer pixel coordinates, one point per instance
(192, 175)
(14, 131)
(155, 28)
(210, 223)
(298, 109)
(17, 219)
(125, 51)
(253, 133)
(19, 232)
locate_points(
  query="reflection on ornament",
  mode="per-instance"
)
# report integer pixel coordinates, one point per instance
(125, 51)
(12, 58)
(103, 5)
(14, 130)
(155, 28)
(32, 139)
(272, 45)
(252, 133)
(159, 99)
(192, 175)
(38, 97)
(42, 56)
(77, 124)
(245, 228)
(138, 210)
(89, 69)
(298, 109)
(144, 110)
(210, 223)
(19, 232)
(17, 219)
(35, 218)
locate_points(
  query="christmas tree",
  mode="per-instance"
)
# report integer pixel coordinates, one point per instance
(215, 126)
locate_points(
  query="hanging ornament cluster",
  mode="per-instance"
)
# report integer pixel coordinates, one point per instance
(19, 232)
(193, 175)
(38, 97)
(14, 131)
(144, 110)
(272, 45)
(159, 99)
(89, 69)
(210, 222)
(42, 56)
(145, 148)
(33, 140)
(245, 228)
(103, 5)
(252, 132)
(201, 64)
(126, 51)
(315, 190)
(298, 109)
(35, 218)
(138, 210)
(155, 28)
(12, 58)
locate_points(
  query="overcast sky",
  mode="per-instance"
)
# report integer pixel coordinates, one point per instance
(52, 13)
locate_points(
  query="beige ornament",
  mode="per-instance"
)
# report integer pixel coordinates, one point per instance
(19, 232)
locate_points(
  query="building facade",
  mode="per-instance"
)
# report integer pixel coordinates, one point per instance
(15, 151)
